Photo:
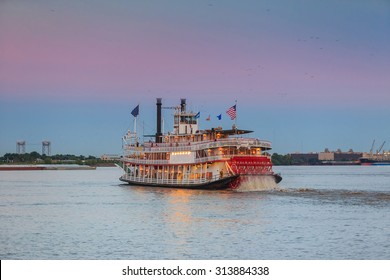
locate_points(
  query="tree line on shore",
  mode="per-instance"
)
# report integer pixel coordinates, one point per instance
(278, 159)
(36, 158)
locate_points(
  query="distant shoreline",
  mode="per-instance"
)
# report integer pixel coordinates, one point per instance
(34, 167)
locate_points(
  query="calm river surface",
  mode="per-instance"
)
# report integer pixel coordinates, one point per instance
(335, 212)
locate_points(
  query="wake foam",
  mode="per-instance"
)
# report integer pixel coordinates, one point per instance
(257, 183)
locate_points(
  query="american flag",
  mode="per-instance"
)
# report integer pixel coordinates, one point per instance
(232, 112)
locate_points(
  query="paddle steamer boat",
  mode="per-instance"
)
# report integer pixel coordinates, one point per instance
(189, 157)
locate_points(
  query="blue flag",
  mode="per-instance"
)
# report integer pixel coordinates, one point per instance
(219, 116)
(135, 111)
(197, 115)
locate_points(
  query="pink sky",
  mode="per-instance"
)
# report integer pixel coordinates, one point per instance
(50, 51)
(262, 53)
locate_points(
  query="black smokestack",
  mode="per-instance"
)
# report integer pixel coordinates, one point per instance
(183, 105)
(158, 134)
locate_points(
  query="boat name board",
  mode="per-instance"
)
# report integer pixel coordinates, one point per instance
(182, 157)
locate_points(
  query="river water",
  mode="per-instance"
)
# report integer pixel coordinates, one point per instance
(332, 212)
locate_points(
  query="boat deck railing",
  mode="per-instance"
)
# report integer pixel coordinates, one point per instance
(136, 160)
(202, 145)
(164, 161)
(166, 181)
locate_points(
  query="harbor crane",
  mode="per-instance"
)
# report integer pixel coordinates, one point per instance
(380, 148)
(372, 147)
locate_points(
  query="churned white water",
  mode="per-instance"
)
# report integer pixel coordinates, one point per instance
(254, 183)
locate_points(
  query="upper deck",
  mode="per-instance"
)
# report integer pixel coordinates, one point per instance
(199, 145)
(195, 152)
(187, 137)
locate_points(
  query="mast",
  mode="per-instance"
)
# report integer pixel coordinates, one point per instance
(135, 124)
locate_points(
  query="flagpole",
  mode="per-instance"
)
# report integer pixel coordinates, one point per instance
(135, 113)
(135, 124)
(235, 119)
(143, 131)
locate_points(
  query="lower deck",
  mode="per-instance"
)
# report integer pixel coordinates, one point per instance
(208, 184)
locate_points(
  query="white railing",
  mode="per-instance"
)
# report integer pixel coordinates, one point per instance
(195, 146)
(145, 161)
(197, 160)
(167, 181)
(212, 158)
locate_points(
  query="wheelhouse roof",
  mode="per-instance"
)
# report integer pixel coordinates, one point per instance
(229, 131)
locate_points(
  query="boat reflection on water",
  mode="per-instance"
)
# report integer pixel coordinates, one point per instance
(188, 215)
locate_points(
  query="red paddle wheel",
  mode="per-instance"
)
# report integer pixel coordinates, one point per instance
(248, 165)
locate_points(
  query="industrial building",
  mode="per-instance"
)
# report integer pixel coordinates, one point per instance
(326, 157)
